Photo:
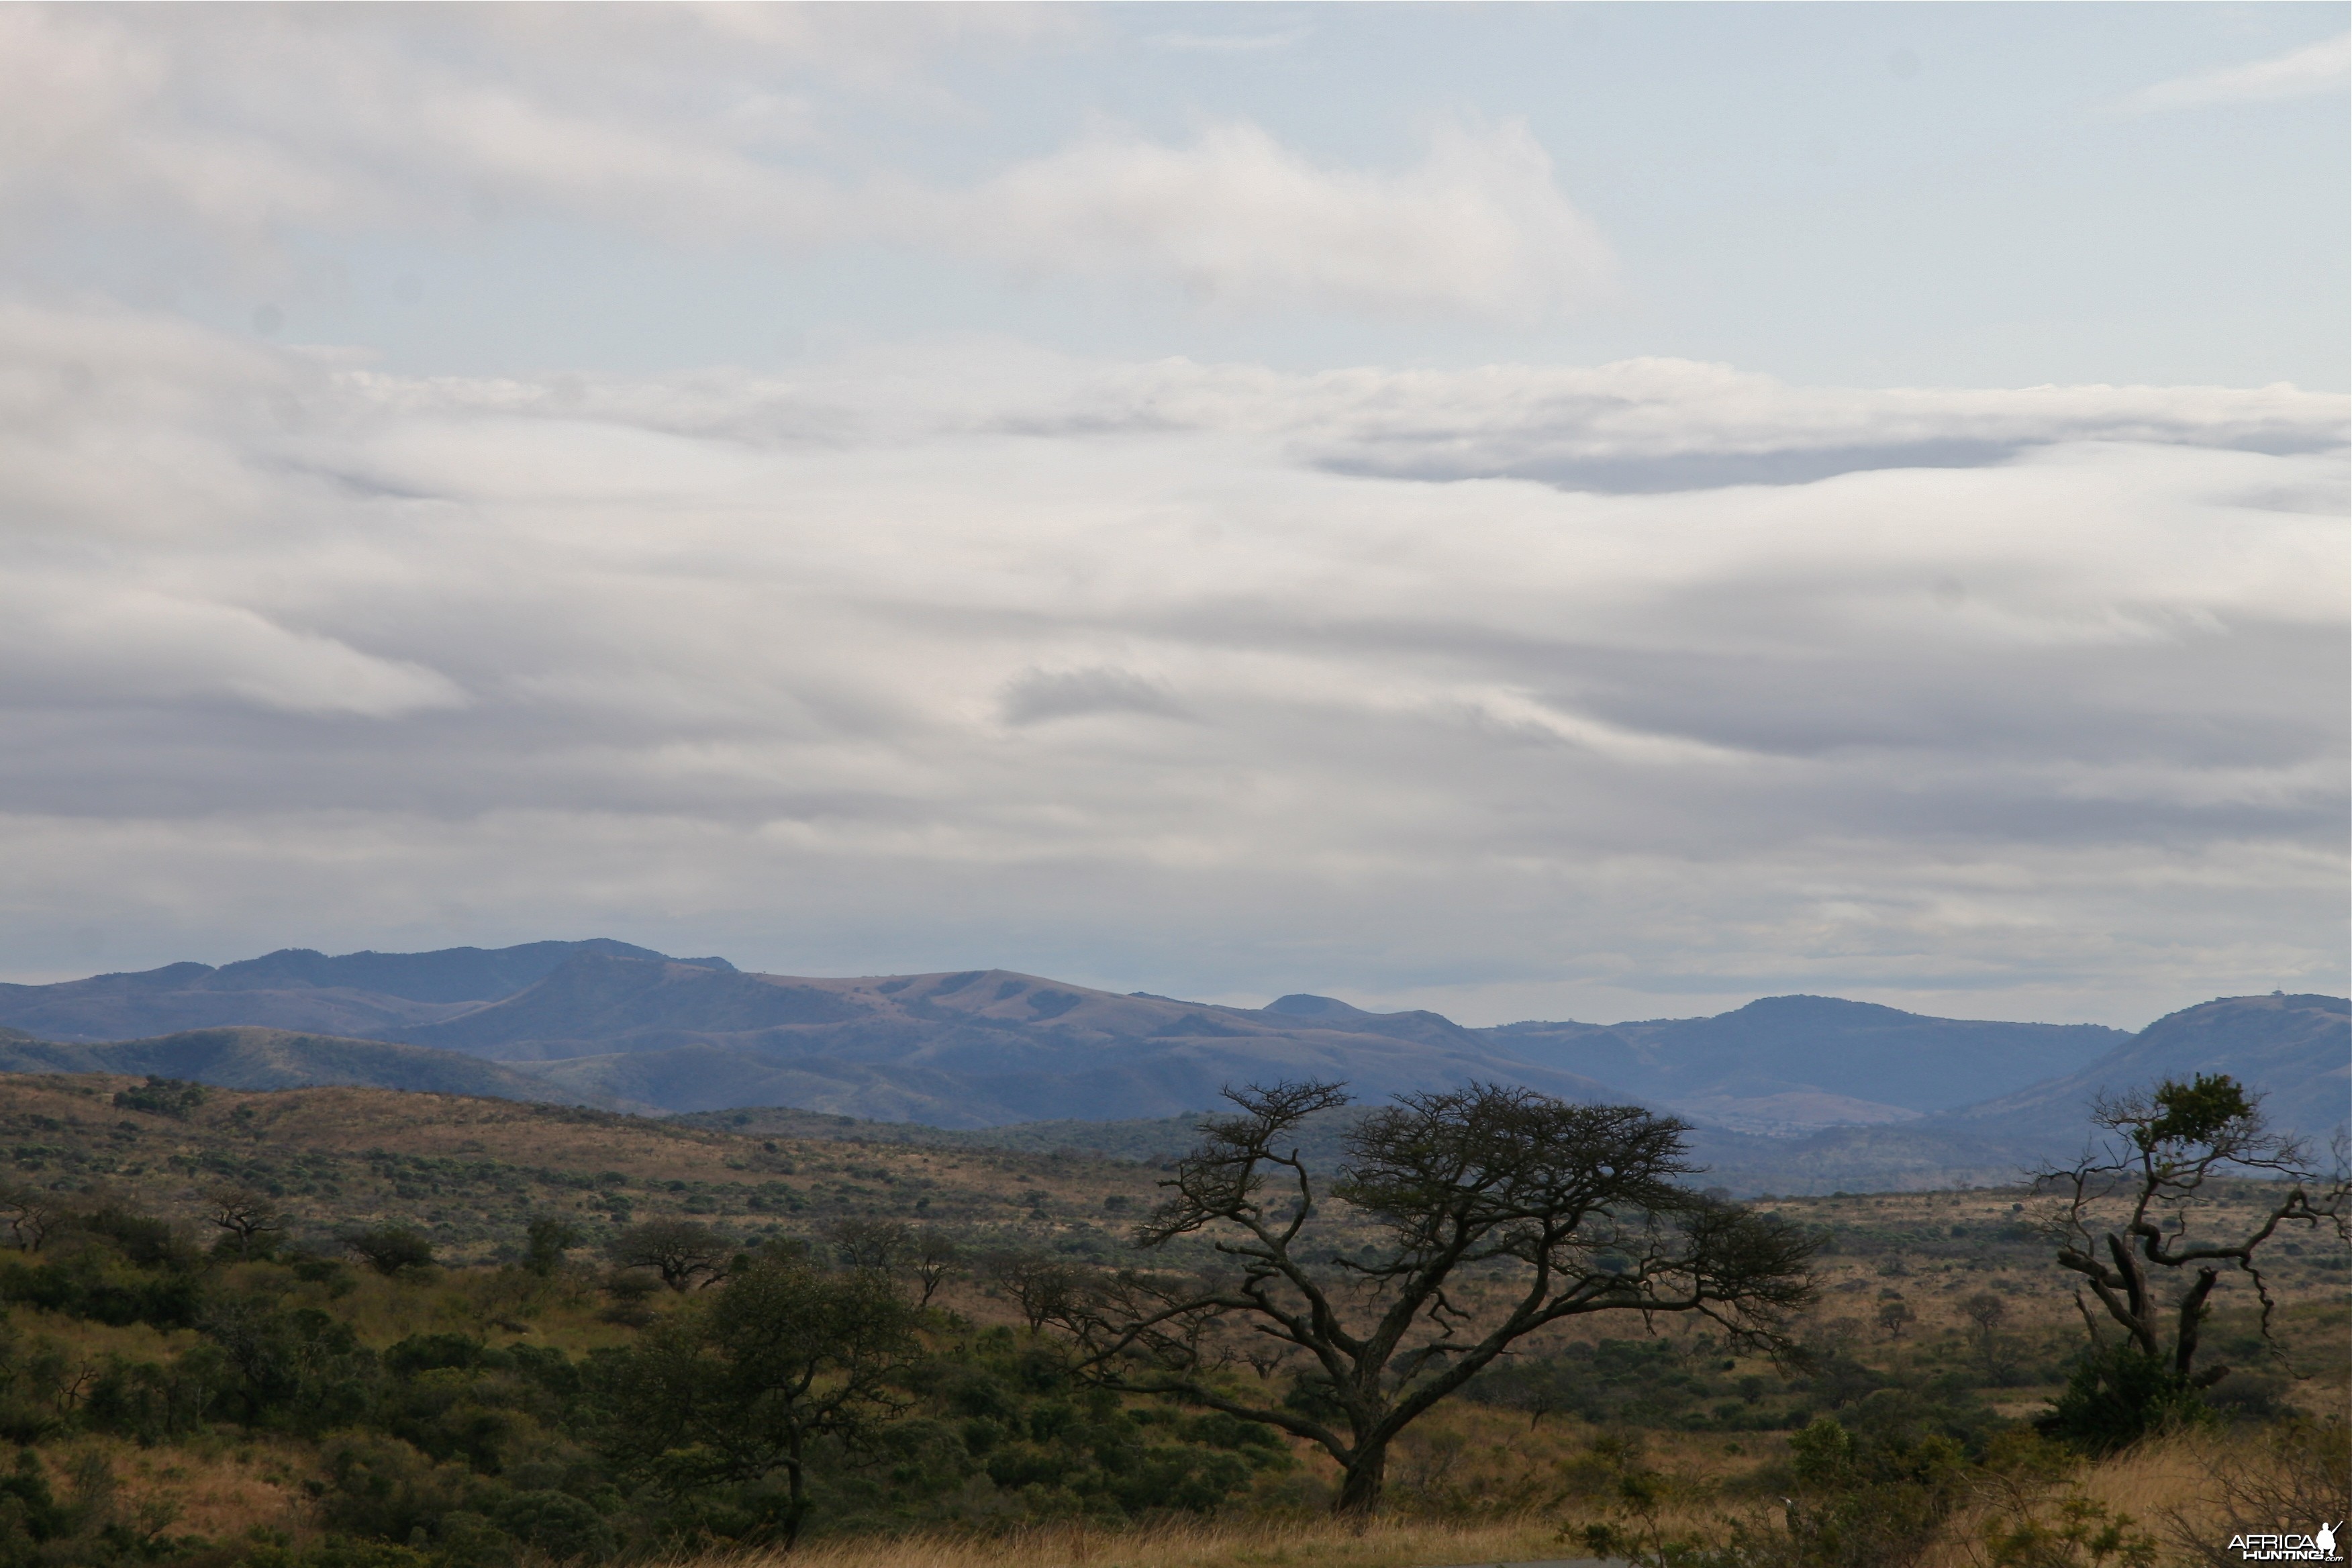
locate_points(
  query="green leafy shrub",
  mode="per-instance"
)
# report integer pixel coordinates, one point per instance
(2115, 1394)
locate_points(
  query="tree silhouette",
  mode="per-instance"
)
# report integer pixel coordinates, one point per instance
(1488, 1191)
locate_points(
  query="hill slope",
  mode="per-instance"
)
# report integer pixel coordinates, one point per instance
(1784, 1064)
(279, 1059)
(2297, 1050)
(969, 1049)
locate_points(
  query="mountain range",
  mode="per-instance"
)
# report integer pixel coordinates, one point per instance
(1814, 1091)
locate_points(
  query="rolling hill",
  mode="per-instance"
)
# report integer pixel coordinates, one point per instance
(280, 1059)
(969, 1049)
(2297, 1050)
(1790, 1093)
(352, 995)
(1784, 1064)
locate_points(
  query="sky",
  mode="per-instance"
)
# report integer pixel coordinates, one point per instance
(1600, 512)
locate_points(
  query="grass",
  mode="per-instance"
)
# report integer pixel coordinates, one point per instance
(1316, 1542)
(2152, 1485)
(1473, 1484)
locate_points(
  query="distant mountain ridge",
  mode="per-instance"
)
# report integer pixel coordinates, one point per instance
(2295, 1050)
(1782, 1064)
(352, 995)
(971, 1048)
(1816, 1089)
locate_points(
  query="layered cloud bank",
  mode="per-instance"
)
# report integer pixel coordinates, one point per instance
(1517, 690)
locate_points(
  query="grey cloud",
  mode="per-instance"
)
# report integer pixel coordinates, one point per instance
(1040, 695)
(870, 701)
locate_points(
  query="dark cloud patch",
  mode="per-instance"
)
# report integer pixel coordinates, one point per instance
(1666, 473)
(1038, 696)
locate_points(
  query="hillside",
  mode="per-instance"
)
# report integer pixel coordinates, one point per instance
(969, 1049)
(294, 1409)
(277, 1058)
(1791, 1093)
(1787, 1064)
(470, 1172)
(606, 1021)
(2297, 1050)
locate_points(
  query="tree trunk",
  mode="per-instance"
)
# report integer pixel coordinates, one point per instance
(1359, 1494)
(795, 1494)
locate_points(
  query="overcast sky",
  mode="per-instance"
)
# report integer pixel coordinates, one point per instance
(1574, 511)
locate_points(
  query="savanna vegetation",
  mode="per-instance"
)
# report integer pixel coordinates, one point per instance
(353, 1328)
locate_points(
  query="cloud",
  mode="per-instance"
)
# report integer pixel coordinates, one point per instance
(1664, 425)
(1040, 695)
(247, 143)
(867, 666)
(2320, 68)
(1243, 224)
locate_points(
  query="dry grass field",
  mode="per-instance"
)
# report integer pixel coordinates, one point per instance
(1494, 1478)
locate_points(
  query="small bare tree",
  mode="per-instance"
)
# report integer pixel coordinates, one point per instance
(935, 1256)
(1047, 1290)
(30, 1213)
(248, 1213)
(2125, 1211)
(1489, 1192)
(864, 1242)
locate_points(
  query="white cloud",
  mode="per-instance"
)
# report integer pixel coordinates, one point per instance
(1241, 223)
(876, 666)
(707, 126)
(2323, 67)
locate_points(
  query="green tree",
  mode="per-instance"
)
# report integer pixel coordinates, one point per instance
(1565, 1210)
(737, 1387)
(390, 1250)
(546, 1240)
(1986, 1311)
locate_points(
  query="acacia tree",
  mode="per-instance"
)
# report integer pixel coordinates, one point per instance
(683, 1253)
(1548, 1211)
(2126, 1209)
(245, 1213)
(30, 1213)
(739, 1385)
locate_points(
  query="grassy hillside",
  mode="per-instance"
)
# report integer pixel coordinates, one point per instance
(279, 1059)
(449, 1416)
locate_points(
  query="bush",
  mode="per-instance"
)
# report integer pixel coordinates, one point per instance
(558, 1524)
(169, 1097)
(389, 1249)
(2117, 1395)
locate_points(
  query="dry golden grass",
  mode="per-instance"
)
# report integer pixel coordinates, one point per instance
(2146, 1484)
(1264, 1543)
